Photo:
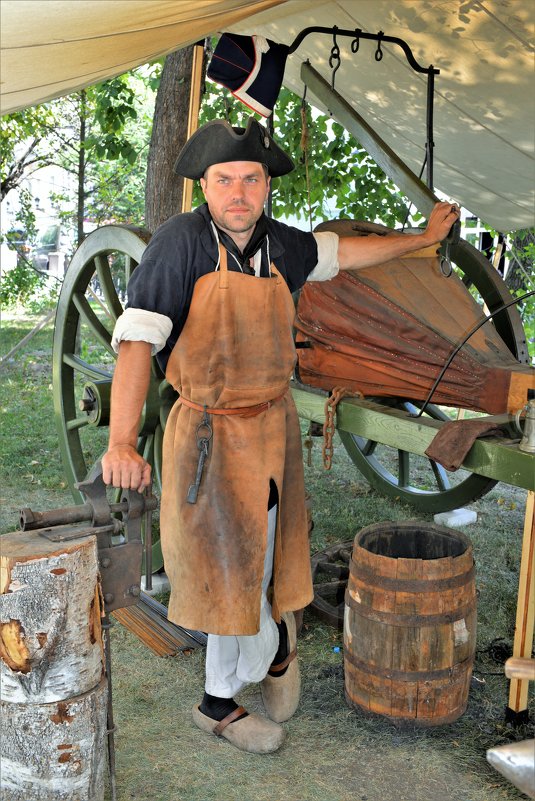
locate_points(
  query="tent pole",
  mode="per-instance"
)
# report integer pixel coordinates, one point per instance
(197, 73)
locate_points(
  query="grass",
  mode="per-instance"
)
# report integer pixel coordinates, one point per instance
(332, 752)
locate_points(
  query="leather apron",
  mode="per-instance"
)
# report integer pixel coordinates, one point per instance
(236, 350)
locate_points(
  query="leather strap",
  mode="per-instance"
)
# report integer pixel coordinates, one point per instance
(229, 719)
(281, 665)
(223, 270)
(243, 411)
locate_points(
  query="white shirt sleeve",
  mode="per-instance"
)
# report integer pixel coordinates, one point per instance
(139, 325)
(327, 266)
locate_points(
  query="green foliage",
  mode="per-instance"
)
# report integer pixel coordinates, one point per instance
(21, 144)
(113, 105)
(522, 255)
(19, 284)
(342, 181)
(24, 231)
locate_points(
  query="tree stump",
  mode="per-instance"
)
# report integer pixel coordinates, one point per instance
(54, 690)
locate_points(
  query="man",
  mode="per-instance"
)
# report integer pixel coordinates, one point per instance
(212, 296)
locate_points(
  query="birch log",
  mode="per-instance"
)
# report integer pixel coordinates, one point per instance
(54, 691)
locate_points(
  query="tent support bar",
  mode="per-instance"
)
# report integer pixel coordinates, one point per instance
(407, 181)
(357, 34)
(430, 145)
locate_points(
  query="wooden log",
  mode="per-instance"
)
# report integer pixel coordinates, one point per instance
(55, 752)
(54, 691)
(50, 612)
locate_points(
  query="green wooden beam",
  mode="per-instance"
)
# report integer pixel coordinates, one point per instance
(493, 457)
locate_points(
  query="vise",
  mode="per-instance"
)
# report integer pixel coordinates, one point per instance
(117, 527)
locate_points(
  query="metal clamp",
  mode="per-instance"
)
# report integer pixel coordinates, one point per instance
(119, 561)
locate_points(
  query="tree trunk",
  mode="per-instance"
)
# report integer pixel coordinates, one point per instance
(163, 190)
(54, 692)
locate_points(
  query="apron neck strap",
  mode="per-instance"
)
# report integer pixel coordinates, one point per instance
(275, 273)
(222, 267)
(223, 271)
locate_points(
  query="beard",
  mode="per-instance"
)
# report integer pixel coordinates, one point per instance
(236, 223)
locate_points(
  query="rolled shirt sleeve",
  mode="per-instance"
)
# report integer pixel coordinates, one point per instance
(327, 266)
(139, 325)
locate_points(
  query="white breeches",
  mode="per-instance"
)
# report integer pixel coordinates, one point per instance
(234, 661)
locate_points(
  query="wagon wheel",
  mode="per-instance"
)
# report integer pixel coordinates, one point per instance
(415, 479)
(90, 302)
(330, 573)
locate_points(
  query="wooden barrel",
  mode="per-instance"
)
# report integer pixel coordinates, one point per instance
(410, 622)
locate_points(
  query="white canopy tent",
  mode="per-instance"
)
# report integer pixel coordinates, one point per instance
(484, 110)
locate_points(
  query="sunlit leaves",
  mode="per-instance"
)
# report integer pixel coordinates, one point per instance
(334, 177)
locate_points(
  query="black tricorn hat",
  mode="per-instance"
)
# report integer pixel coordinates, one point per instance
(218, 142)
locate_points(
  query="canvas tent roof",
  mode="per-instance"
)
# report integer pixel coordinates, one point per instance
(484, 123)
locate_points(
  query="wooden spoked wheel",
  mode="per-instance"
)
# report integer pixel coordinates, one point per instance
(414, 479)
(92, 298)
(330, 573)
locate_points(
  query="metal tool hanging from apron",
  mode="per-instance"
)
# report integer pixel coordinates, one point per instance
(231, 366)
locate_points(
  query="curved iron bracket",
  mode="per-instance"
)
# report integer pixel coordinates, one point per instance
(357, 35)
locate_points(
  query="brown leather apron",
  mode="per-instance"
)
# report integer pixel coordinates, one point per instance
(235, 350)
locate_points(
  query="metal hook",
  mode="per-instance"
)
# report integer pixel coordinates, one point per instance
(379, 52)
(355, 44)
(334, 57)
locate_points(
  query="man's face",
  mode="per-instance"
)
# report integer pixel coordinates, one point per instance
(236, 192)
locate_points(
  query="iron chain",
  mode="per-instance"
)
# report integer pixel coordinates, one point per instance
(329, 426)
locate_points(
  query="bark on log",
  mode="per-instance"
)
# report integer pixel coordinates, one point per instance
(163, 188)
(54, 692)
(55, 752)
(50, 634)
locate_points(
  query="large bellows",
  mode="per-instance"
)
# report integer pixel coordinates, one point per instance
(410, 622)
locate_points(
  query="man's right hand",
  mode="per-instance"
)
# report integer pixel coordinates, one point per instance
(123, 466)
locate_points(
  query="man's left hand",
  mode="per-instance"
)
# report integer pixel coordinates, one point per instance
(441, 219)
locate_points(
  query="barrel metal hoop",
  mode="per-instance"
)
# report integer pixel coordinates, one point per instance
(409, 620)
(456, 672)
(370, 578)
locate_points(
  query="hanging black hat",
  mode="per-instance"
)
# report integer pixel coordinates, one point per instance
(252, 67)
(218, 142)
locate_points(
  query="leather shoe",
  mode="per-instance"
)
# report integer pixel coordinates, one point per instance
(252, 733)
(280, 694)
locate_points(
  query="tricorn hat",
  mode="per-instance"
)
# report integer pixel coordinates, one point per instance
(218, 142)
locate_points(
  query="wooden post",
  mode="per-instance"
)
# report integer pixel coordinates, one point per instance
(54, 691)
(525, 610)
(193, 114)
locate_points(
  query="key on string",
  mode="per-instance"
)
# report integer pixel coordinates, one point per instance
(203, 444)
(194, 488)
